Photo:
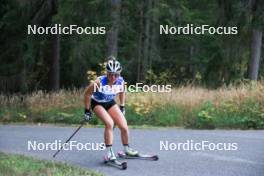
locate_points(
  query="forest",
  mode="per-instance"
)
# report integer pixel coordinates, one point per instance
(208, 52)
(130, 32)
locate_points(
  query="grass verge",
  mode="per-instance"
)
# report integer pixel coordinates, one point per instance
(18, 165)
(233, 107)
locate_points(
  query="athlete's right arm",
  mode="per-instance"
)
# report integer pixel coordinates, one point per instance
(88, 93)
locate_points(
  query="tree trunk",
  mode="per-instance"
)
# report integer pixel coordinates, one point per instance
(43, 10)
(191, 62)
(54, 72)
(112, 36)
(154, 36)
(42, 14)
(147, 38)
(255, 52)
(139, 52)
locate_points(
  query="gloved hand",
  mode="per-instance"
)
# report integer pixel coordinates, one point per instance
(122, 109)
(87, 114)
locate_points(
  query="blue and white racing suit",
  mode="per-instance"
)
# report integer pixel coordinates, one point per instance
(105, 94)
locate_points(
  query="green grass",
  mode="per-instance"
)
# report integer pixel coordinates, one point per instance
(161, 116)
(245, 115)
(235, 107)
(17, 165)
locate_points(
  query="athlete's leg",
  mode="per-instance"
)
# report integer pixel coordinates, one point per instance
(102, 114)
(120, 121)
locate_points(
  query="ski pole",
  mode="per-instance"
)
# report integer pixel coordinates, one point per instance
(82, 123)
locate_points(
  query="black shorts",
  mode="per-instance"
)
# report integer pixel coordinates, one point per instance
(106, 105)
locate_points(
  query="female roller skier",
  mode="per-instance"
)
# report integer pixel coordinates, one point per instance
(99, 98)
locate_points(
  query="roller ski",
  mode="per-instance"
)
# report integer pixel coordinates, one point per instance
(132, 154)
(115, 163)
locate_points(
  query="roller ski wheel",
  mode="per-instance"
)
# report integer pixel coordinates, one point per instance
(115, 163)
(121, 154)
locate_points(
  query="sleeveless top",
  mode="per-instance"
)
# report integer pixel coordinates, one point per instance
(104, 92)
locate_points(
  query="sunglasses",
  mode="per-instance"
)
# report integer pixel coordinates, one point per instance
(114, 74)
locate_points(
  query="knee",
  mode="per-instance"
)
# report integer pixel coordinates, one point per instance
(124, 129)
(109, 125)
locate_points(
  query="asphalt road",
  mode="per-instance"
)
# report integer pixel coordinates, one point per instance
(242, 152)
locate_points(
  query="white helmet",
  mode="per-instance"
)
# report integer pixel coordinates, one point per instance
(113, 66)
